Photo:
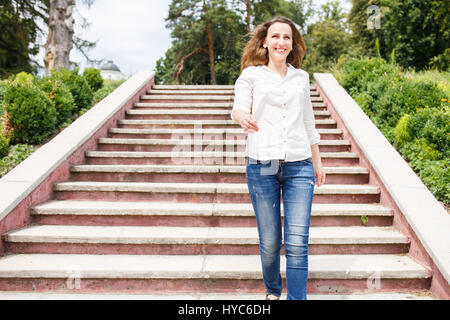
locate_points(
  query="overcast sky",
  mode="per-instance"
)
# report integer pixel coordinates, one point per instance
(132, 33)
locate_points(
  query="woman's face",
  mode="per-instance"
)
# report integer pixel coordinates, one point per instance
(279, 41)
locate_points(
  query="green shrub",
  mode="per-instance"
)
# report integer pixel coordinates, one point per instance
(405, 96)
(24, 77)
(420, 150)
(108, 87)
(32, 116)
(77, 84)
(435, 174)
(355, 74)
(60, 95)
(4, 146)
(93, 78)
(17, 154)
(442, 61)
(401, 131)
(434, 126)
(411, 110)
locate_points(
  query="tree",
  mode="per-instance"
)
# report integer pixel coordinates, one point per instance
(204, 34)
(364, 34)
(60, 33)
(209, 36)
(60, 39)
(417, 30)
(326, 39)
(19, 30)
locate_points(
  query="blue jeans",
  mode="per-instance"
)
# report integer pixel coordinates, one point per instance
(267, 182)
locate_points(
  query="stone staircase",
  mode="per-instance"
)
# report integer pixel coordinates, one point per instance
(161, 208)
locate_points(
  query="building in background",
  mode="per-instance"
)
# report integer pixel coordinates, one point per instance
(109, 71)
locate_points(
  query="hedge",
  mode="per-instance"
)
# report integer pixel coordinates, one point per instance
(412, 113)
(32, 110)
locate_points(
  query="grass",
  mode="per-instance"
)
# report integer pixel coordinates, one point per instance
(441, 78)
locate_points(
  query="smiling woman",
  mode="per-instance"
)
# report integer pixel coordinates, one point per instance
(272, 104)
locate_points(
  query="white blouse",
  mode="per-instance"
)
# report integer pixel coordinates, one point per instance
(283, 111)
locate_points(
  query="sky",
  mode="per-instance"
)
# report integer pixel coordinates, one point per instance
(131, 33)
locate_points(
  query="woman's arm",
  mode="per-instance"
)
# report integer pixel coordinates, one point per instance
(319, 172)
(245, 120)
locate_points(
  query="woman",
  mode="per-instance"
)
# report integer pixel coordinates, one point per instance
(272, 104)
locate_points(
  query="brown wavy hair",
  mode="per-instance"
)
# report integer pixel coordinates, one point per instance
(255, 54)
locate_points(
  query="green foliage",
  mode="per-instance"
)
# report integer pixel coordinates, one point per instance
(405, 96)
(436, 175)
(17, 154)
(4, 146)
(434, 126)
(442, 61)
(417, 29)
(326, 41)
(19, 30)
(409, 110)
(431, 167)
(356, 74)
(77, 85)
(108, 87)
(60, 95)
(401, 130)
(440, 78)
(93, 78)
(364, 220)
(188, 60)
(31, 114)
(24, 77)
(362, 36)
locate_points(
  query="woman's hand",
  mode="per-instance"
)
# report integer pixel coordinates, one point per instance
(245, 120)
(319, 171)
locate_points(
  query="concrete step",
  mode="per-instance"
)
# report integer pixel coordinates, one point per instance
(191, 91)
(20, 295)
(193, 87)
(191, 114)
(183, 173)
(183, 105)
(201, 105)
(221, 133)
(202, 144)
(337, 159)
(195, 214)
(209, 273)
(194, 240)
(202, 87)
(200, 192)
(179, 123)
(197, 97)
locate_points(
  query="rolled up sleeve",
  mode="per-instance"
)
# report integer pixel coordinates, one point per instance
(309, 121)
(243, 92)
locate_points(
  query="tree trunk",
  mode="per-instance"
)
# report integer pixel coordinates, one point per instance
(211, 56)
(249, 9)
(60, 33)
(210, 47)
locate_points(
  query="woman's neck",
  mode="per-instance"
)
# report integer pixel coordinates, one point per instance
(279, 67)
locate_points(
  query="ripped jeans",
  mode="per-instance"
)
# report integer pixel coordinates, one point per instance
(267, 181)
